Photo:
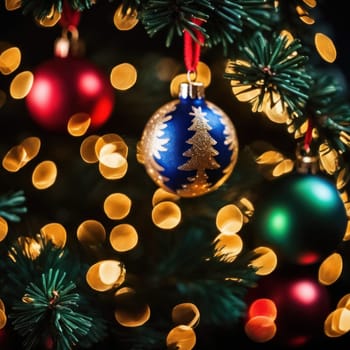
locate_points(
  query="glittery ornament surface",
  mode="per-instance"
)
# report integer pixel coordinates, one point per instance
(189, 146)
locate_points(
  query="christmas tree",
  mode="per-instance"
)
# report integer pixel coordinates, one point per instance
(174, 174)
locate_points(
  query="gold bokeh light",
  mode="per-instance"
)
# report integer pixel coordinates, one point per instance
(125, 21)
(111, 159)
(123, 237)
(21, 85)
(228, 246)
(266, 262)
(110, 272)
(260, 329)
(344, 301)
(247, 208)
(229, 219)
(284, 167)
(337, 322)
(12, 5)
(117, 206)
(175, 84)
(347, 232)
(203, 73)
(275, 109)
(91, 232)
(123, 76)
(87, 149)
(328, 158)
(19, 155)
(330, 269)
(31, 146)
(31, 248)
(44, 175)
(56, 233)
(186, 314)
(111, 139)
(78, 124)
(304, 15)
(166, 215)
(105, 275)
(3, 228)
(14, 159)
(325, 47)
(10, 60)
(310, 3)
(181, 337)
(130, 311)
(269, 157)
(114, 173)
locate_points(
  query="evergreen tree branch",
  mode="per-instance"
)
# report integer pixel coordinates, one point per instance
(12, 205)
(271, 67)
(44, 297)
(173, 17)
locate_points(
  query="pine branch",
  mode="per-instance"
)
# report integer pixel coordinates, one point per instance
(133, 5)
(12, 205)
(271, 67)
(174, 17)
(225, 23)
(45, 300)
(231, 18)
(329, 110)
(335, 126)
(329, 106)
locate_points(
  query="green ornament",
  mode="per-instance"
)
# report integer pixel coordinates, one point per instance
(301, 217)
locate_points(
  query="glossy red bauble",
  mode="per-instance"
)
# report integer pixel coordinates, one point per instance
(63, 87)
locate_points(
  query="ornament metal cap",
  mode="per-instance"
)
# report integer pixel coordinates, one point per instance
(69, 44)
(306, 161)
(192, 90)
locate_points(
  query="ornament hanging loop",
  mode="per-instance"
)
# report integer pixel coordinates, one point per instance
(192, 50)
(191, 76)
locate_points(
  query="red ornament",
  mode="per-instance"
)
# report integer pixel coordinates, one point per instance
(302, 303)
(65, 86)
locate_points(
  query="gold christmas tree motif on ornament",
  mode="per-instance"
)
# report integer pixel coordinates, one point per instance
(201, 156)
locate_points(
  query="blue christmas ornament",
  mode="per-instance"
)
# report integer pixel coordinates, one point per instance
(189, 146)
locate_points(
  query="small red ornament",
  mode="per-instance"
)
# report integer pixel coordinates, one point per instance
(64, 86)
(302, 304)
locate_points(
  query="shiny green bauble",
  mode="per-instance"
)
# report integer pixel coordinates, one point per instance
(301, 217)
